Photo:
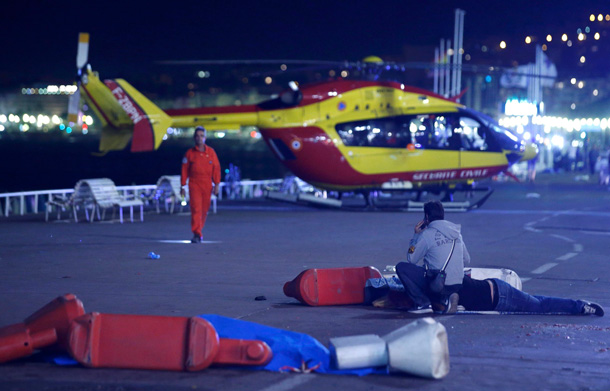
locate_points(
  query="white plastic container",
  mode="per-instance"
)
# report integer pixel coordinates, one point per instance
(419, 348)
(358, 351)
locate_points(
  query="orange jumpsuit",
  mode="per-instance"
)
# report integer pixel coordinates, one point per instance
(202, 169)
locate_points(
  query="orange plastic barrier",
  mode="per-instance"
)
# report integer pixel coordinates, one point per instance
(47, 326)
(16, 341)
(158, 342)
(143, 342)
(336, 286)
(243, 352)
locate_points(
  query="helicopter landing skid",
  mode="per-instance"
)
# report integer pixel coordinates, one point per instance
(305, 198)
(416, 203)
(453, 206)
(374, 202)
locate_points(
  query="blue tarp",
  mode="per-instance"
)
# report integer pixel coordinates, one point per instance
(290, 349)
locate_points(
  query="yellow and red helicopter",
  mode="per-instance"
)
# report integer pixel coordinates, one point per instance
(340, 135)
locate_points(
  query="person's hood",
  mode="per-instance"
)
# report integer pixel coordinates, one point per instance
(447, 228)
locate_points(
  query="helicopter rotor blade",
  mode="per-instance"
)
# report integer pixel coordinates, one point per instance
(82, 57)
(82, 53)
(249, 62)
(74, 106)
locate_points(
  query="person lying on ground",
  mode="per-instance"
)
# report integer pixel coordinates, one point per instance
(496, 295)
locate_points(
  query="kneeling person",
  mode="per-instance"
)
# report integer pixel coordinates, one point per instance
(436, 243)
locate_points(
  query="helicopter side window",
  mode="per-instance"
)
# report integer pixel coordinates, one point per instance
(382, 132)
(419, 131)
(443, 132)
(377, 135)
(475, 136)
(353, 134)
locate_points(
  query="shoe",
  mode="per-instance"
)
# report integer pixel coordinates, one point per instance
(452, 304)
(592, 309)
(197, 239)
(420, 309)
(447, 306)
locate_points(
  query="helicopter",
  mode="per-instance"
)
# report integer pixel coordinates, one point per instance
(339, 135)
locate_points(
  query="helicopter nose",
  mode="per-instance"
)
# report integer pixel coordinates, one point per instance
(531, 151)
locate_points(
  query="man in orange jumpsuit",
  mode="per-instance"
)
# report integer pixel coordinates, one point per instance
(200, 165)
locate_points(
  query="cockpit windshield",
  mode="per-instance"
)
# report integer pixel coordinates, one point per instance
(506, 138)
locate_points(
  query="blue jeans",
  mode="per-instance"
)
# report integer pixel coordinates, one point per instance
(513, 300)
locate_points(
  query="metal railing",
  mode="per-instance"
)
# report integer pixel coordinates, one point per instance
(27, 202)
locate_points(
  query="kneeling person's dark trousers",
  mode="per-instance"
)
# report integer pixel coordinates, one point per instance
(417, 287)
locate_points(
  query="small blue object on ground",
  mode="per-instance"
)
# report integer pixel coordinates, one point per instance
(152, 255)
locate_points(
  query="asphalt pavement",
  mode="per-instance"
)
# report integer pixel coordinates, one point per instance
(554, 234)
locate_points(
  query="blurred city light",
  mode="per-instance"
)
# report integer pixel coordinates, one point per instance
(564, 37)
(503, 45)
(528, 39)
(549, 38)
(557, 141)
(50, 90)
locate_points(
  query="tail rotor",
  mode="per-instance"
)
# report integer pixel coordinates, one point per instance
(82, 56)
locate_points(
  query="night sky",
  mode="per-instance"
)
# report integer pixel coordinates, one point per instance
(38, 40)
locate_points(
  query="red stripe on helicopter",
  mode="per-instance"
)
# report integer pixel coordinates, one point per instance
(102, 113)
(143, 133)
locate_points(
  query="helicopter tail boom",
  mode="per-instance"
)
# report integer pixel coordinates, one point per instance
(125, 114)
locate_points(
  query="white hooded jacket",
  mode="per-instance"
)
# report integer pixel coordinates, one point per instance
(433, 246)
